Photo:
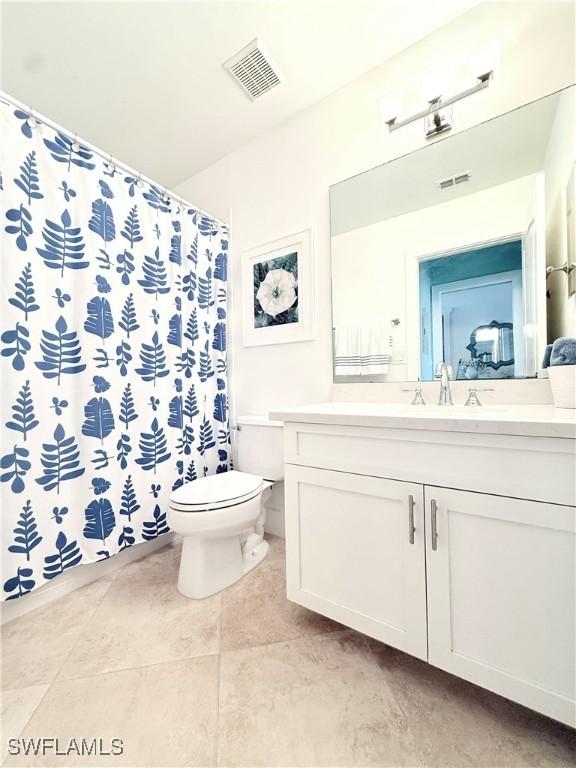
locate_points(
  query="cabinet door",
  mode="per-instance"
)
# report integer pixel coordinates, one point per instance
(353, 554)
(501, 610)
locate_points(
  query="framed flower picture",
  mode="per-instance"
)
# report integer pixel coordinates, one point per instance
(278, 291)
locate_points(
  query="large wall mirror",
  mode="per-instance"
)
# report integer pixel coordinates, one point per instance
(441, 255)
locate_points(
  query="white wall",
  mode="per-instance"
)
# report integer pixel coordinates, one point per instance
(560, 159)
(278, 183)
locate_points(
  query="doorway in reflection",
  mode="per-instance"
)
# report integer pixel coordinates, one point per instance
(471, 312)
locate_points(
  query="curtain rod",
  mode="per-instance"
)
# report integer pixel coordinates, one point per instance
(5, 98)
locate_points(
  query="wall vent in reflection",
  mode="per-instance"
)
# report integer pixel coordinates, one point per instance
(452, 181)
(254, 70)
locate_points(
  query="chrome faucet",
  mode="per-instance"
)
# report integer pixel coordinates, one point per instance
(443, 372)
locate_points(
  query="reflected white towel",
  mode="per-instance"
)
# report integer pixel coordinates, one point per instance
(361, 350)
(347, 344)
(374, 350)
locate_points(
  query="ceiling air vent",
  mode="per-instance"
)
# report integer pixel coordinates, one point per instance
(253, 70)
(451, 181)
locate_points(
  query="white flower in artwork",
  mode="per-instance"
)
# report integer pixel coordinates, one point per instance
(276, 292)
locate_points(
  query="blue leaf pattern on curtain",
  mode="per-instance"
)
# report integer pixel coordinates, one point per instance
(99, 421)
(113, 354)
(100, 520)
(64, 245)
(23, 418)
(99, 320)
(24, 298)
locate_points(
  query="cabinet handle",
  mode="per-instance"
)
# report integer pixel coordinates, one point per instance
(434, 525)
(411, 527)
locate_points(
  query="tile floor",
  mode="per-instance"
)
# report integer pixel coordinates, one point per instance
(245, 678)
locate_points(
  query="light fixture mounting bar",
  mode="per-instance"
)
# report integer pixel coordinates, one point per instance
(437, 105)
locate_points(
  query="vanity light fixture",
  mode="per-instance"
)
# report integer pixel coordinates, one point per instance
(438, 115)
(439, 118)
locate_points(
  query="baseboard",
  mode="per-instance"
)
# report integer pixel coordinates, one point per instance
(79, 577)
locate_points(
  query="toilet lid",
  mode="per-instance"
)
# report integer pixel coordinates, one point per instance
(216, 490)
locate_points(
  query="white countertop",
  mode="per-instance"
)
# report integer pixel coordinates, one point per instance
(531, 420)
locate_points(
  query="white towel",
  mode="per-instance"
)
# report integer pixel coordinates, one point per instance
(361, 351)
(374, 350)
(347, 359)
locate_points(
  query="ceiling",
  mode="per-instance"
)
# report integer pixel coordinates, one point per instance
(144, 80)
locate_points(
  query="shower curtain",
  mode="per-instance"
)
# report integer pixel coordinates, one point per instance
(113, 353)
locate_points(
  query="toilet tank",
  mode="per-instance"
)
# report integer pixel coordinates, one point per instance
(258, 447)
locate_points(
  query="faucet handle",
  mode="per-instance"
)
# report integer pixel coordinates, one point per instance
(418, 398)
(473, 398)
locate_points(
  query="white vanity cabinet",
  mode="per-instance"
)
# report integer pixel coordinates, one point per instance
(356, 553)
(394, 532)
(500, 582)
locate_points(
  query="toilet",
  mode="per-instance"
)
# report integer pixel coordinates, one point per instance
(221, 517)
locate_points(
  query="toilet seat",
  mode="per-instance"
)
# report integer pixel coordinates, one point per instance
(216, 492)
(214, 505)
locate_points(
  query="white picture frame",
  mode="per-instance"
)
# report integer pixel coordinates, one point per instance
(291, 260)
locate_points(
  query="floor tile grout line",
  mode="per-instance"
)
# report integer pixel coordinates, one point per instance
(58, 670)
(218, 653)
(89, 619)
(219, 687)
(21, 731)
(131, 669)
(366, 642)
(122, 669)
(293, 639)
(112, 578)
(51, 682)
(219, 672)
(84, 626)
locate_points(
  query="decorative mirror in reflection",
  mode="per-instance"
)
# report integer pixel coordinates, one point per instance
(491, 346)
(441, 255)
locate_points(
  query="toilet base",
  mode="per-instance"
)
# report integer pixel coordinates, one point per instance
(255, 556)
(208, 566)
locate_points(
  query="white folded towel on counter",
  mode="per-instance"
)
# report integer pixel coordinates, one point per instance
(361, 350)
